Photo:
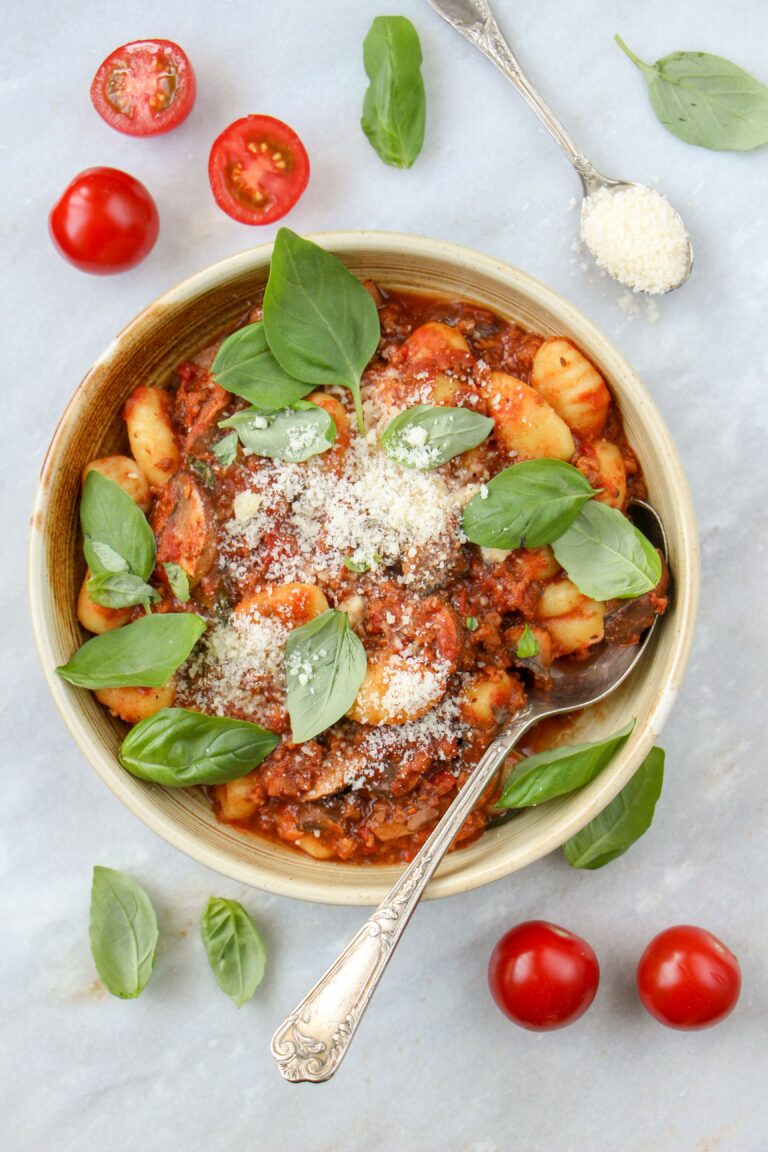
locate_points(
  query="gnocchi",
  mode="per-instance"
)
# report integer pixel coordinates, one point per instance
(135, 704)
(526, 425)
(486, 698)
(292, 604)
(127, 475)
(153, 441)
(571, 384)
(573, 620)
(96, 617)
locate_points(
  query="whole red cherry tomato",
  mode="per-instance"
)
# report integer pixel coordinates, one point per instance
(542, 976)
(688, 979)
(144, 88)
(105, 221)
(258, 169)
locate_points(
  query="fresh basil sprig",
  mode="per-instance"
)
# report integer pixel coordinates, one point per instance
(625, 820)
(394, 109)
(321, 324)
(178, 748)
(527, 505)
(234, 947)
(245, 366)
(118, 543)
(123, 933)
(605, 556)
(559, 770)
(143, 654)
(426, 436)
(178, 581)
(292, 434)
(325, 664)
(706, 100)
(527, 645)
(120, 590)
(225, 450)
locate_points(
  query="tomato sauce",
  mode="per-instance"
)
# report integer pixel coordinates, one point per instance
(371, 788)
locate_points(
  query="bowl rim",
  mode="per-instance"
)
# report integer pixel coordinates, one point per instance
(479, 873)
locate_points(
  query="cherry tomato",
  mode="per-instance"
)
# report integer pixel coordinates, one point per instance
(543, 977)
(688, 979)
(258, 169)
(105, 221)
(144, 88)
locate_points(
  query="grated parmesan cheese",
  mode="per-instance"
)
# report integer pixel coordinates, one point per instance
(410, 687)
(247, 505)
(637, 237)
(375, 512)
(237, 667)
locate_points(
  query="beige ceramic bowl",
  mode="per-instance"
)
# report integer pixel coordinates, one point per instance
(184, 321)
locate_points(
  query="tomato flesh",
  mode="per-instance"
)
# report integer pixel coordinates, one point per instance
(105, 221)
(687, 978)
(542, 976)
(258, 169)
(144, 88)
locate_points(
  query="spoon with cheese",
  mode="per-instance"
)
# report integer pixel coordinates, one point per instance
(632, 231)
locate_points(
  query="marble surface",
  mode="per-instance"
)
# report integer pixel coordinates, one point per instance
(435, 1066)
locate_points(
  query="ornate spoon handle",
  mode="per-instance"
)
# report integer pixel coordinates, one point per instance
(477, 23)
(311, 1043)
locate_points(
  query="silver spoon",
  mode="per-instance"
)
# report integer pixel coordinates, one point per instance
(311, 1043)
(476, 22)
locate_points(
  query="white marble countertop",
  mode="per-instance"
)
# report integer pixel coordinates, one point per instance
(435, 1066)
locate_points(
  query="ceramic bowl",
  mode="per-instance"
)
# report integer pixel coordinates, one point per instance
(185, 320)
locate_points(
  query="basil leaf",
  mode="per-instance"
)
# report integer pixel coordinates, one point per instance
(527, 505)
(395, 104)
(321, 324)
(245, 366)
(559, 770)
(472, 623)
(706, 100)
(178, 748)
(225, 450)
(527, 645)
(606, 557)
(625, 820)
(293, 434)
(178, 581)
(120, 590)
(235, 949)
(204, 472)
(111, 519)
(359, 565)
(107, 558)
(143, 654)
(426, 437)
(325, 664)
(123, 933)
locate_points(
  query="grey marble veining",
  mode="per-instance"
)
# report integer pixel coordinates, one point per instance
(435, 1066)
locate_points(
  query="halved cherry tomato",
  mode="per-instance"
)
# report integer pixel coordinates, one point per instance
(688, 979)
(144, 88)
(542, 976)
(105, 221)
(258, 169)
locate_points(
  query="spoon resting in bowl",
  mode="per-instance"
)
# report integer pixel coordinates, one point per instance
(632, 231)
(311, 1043)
